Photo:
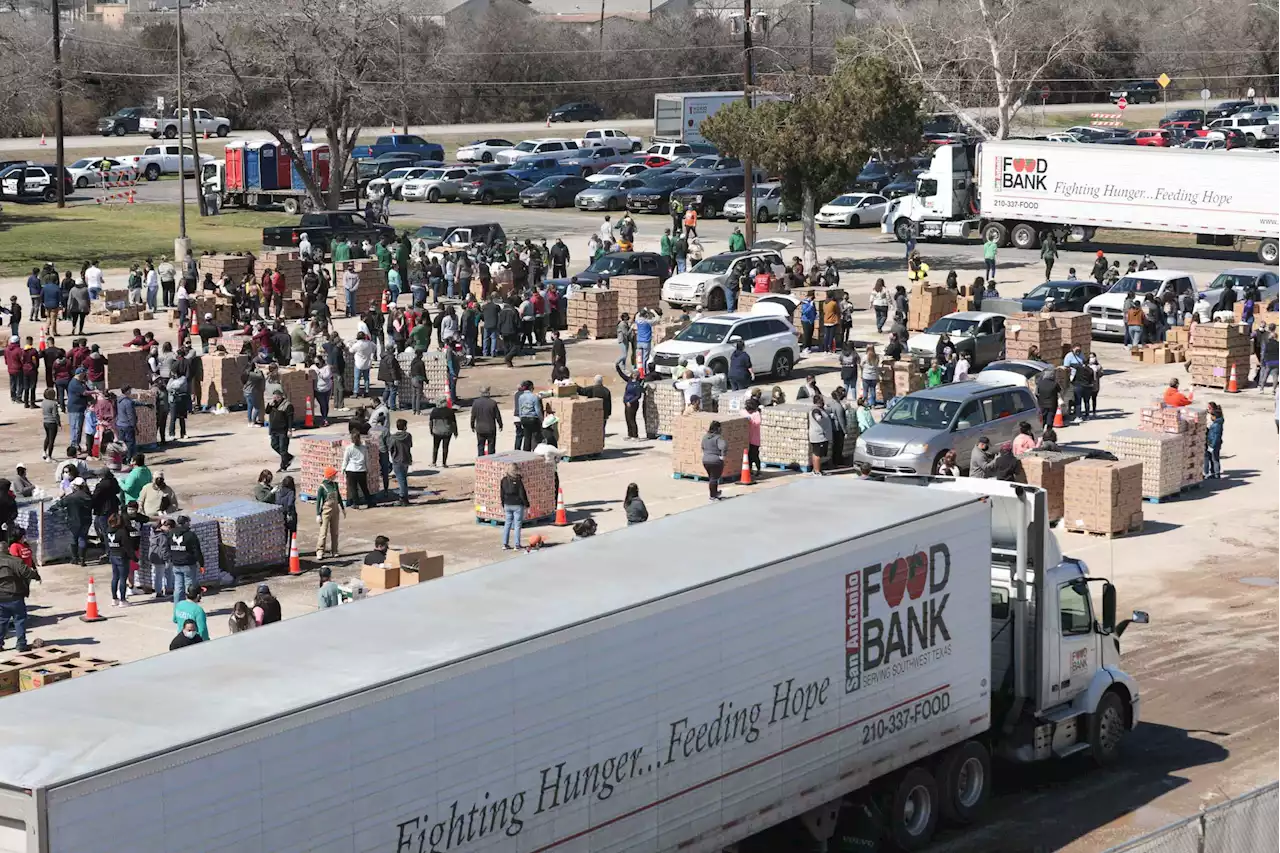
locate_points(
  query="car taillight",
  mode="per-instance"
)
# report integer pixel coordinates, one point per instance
(476, 183)
(295, 237)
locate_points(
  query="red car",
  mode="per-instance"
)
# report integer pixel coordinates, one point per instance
(1153, 136)
(654, 161)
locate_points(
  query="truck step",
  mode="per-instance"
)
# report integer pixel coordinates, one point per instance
(1079, 746)
(1061, 713)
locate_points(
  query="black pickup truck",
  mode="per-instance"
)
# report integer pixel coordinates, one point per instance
(323, 227)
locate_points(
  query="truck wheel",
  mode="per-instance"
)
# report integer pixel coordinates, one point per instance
(1268, 252)
(996, 231)
(155, 134)
(152, 172)
(902, 230)
(119, 130)
(1024, 236)
(913, 814)
(964, 775)
(170, 132)
(433, 195)
(223, 129)
(709, 210)
(291, 206)
(1106, 729)
(782, 365)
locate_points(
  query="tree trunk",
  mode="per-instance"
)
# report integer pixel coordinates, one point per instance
(195, 163)
(810, 228)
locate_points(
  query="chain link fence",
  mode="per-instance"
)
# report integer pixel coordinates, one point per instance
(1245, 824)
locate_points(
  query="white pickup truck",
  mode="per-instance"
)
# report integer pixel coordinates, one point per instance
(206, 122)
(157, 160)
(617, 139)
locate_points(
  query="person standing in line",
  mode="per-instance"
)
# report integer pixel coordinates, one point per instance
(1268, 359)
(808, 318)
(78, 504)
(714, 450)
(116, 543)
(632, 397)
(355, 467)
(515, 502)
(529, 412)
(1047, 397)
(819, 434)
(52, 420)
(400, 452)
(280, 427)
(158, 556)
(187, 558)
(486, 422)
(870, 376)
(286, 497)
(328, 509)
(444, 427)
(1213, 444)
(839, 415)
(752, 408)
(15, 586)
(741, 372)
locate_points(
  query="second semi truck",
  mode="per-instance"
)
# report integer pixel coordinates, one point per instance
(658, 688)
(1014, 192)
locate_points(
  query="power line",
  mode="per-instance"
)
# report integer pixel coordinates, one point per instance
(415, 84)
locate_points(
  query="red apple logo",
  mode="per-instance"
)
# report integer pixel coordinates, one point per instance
(895, 581)
(917, 574)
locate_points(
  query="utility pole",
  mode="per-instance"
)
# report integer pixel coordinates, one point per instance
(812, 5)
(749, 210)
(601, 31)
(398, 23)
(57, 109)
(182, 245)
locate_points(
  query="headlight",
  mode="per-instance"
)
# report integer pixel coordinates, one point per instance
(860, 444)
(916, 448)
(702, 286)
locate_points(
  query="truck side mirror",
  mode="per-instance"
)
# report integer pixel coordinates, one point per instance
(1139, 617)
(1108, 607)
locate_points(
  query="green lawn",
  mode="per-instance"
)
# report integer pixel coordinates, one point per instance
(31, 234)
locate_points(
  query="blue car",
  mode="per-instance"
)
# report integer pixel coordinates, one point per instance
(1066, 296)
(534, 169)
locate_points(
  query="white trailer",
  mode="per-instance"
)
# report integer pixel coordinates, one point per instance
(677, 686)
(678, 117)
(1016, 191)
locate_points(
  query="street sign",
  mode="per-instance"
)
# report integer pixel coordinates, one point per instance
(1205, 94)
(1164, 81)
(1122, 103)
(1044, 92)
(160, 104)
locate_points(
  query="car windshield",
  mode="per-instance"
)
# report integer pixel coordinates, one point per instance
(610, 265)
(430, 175)
(711, 266)
(1024, 370)
(704, 182)
(127, 111)
(703, 163)
(1233, 279)
(397, 173)
(547, 183)
(922, 412)
(953, 326)
(83, 162)
(367, 169)
(703, 333)
(872, 170)
(526, 146)
(1050, 291)
(606, 185)
(612, 170)
(431, 232)
(846, 201)
(1133, 284)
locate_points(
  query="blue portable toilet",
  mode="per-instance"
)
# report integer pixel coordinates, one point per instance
(252, 166)
(296, 173)
(269, 158)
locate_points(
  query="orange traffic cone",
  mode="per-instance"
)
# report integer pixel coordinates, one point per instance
(562, 516)
(295, 563)
(745, 479)
(97, 443)
(386, 294)
(42, 338)
(309, 420)
(42, 142)
(195, 326)
(206, 134)
(1058, 420)
(1233, 384)
(91, 613)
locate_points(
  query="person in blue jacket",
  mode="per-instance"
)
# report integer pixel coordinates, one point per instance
(644, 337)
(632, 397)
(1213, 444)
(78, 400)
(808, 317)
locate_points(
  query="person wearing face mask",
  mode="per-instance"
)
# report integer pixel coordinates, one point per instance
(188, 610)
(188, 636)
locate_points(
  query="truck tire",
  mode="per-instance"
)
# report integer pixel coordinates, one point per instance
(223, 130)
(1268, 251)
(119, 130)
(996, 231)
(1024, 236)
(171, 132)
(902, 230)
(152, 172)
(913, 809)
(155, 134)
(964, 776)
(291, 206)
(1106, 729)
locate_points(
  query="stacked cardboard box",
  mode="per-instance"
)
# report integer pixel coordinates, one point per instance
(110, 299)
(404, 568)
(886, 388)
(127, 367)
(232, 266)
(436, 385)
(665, 330)
(906, 377)
(13, 666)
(732, 401)
(1215, 349)
(927, 304)
(663, 403)
(968, 297)
(144, 433)
(373, 281)
(1162, 454)
(819, 294)
(1102, 497)
(284, 261)
(593, 313)
(84, 666)
(539, 484)
(252, 534)
(636, 292)
(296, 382)
(1023, 332)
(581, 425)
(316, 453)
(686, 449)
(784, 434)
(1077, 331)
(1154, 354)
(745, 302)
(1189, 424)
(221, 384)
(206, 531)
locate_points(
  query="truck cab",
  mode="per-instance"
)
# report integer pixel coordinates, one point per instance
(945, 192)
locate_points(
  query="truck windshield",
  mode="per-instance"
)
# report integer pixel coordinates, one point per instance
(431, 233)
(1132, 284)
(927, 187)
(922, 412)
(367, 169)
(703, 333)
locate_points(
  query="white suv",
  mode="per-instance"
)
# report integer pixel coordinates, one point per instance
(612, 137)
(555, 147)
(771, 342)
(704, 285)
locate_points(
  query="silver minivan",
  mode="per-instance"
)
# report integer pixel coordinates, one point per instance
(914, 434)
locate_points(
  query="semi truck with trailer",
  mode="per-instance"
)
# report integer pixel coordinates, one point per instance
(677, 117)
(1014, 192)
(686, 685)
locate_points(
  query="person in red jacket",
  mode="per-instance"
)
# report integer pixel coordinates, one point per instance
(1173, 397)
(78, 353)
(278, 288)
(13, 363)
(30, 372)
(95, 365)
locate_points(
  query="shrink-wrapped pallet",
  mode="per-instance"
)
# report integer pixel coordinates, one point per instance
(686, 449)
(1162, 456)
(784, 434)
(663, 403)
(206, 531)
(1102, 497)
(252, 534)
(48, 533)
(539, 483)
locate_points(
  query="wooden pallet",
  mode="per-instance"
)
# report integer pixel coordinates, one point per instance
(1115, 534)
(583, 457)
(1170, 497)
(787, 466)
(703, 477)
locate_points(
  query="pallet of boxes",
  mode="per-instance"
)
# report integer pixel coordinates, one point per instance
(113, 308)
(928, 304)
(686, 445)
(784, 436)
(1047, 469)
(127, 367)
(539, 484)
(1163, 458)
(317, 452)
(592, 313)
(636, 292)
(1101, 497)
(1217, 351)
(1034, 336)
(663, 403)
(1076, 330)
(369, 290)
(1188, 424)
(31, 670)
(297, 383)
(581, 426)
(222, 384)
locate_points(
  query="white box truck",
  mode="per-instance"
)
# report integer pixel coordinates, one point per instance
(677, 117)
(1016, 191)
(677, 686)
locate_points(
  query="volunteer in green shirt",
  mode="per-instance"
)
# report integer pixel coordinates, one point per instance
(933, 378)
(384, 256)
(342, 250)
(667, 246)
(737, 242)
(189, 608)
(330, 594)
(420, 337)
(989, 255)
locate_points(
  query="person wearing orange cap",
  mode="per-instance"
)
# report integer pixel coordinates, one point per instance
(328, 507)
(1099, 270)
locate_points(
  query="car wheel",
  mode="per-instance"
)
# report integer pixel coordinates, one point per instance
(586, 171)
(612, 204)
(223, 130)
(433, 195)
(486, 198)
(854, 221)
(552, 202)
(152, 172)
(170, 132)
(119, 130)
(762, 215)
(81, 182)
(50, 194)
(486, 157)
(715, 300)
(155, 134)
(782, 365)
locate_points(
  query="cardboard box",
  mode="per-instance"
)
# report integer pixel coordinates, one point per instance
(380, 577)
(417, 566)
(35, 677)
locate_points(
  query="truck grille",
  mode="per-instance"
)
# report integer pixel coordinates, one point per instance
(882, 451)
(666, 359)
(1106, 313)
